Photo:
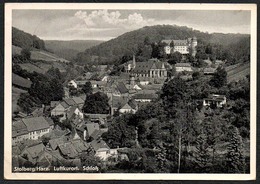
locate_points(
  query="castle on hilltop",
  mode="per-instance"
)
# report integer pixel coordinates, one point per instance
(187, 46)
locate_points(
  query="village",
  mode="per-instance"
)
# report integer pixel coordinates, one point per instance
(59, 133)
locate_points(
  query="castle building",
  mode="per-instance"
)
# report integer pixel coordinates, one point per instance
(152, 68)
(187, 46)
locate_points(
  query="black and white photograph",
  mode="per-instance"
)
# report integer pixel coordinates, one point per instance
(105, 91)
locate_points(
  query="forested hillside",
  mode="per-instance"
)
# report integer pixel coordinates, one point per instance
(128, 43)
(26, 40)
(69, 49)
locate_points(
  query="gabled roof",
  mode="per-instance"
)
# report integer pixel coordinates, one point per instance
(182, 65)
(19, 128)
(118, 101)
(71, 111)
(69, 101)
(54, 143)
(36, 123)
(96, 134)
(65, 105)
(78, 100)
(37, 112)
(35, 150)
(19, 81)
(91, 127)
(68, 149)
(99, 144)
(122, 88)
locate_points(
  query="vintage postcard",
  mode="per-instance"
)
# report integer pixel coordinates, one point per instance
(130, 91)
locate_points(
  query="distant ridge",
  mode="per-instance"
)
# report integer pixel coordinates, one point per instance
(128, 42)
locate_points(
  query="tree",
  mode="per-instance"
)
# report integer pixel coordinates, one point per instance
(26, 54)
(234, 157)
(87, 88)
(175, 57)
(220, 77)
(96, 103)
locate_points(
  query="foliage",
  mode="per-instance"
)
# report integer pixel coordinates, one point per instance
(96, 103)
(26, 40)
(220, 77)
(175, 57)
(87, 88)
(26, 54)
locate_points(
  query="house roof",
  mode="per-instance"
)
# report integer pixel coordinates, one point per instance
(99, 144)
(54, 143)
(145, 96)
(36, 123)
(180, 42)
(68, 149)
(118, 101)
(35, 150)
(79, 145)
(71, 111)
(166, 41)
(96, 116)
(78, 100)
(91, 127)
(182, 65)
(19, 128)
(69, 101)
(37, 112)
(19, 81)
(96, 134)
(83, 97)
(122, 88)
(54, 103)
(65, 105)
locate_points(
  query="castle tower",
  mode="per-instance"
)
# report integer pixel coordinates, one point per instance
(194, 43)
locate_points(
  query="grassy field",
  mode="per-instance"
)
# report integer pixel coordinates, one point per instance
(16, 92)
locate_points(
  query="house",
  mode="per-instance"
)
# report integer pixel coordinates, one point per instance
(101, 149)
(72, 83)
(116, 102)
(78, 101)
(73, 112)
(60, 110)
(54, 104)
(181, 67)
(38, 112)
(129, 107)
(215, 100)
(31, 153)
(122, 88)
(96, 117)
(97, 84)
(144, 97)
(209, 71)
(87, 75)
(91, 127)
(30, 128)
(70, 102)
(38, 126)
(187, 46)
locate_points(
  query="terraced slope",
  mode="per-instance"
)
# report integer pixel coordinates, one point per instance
(238, 71)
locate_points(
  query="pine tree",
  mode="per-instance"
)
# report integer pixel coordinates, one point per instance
(234, 156)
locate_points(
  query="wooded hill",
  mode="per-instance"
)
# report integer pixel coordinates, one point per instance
(69, 49)
(128, 43)
(26, 40)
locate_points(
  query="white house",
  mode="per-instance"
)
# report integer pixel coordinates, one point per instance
(181, 67)
(217, 100)
(72, 83)
(31, 128)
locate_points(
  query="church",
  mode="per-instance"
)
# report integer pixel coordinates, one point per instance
(187, 46)
(153, 68)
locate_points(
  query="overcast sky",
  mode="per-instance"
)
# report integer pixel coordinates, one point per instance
(107, 24)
